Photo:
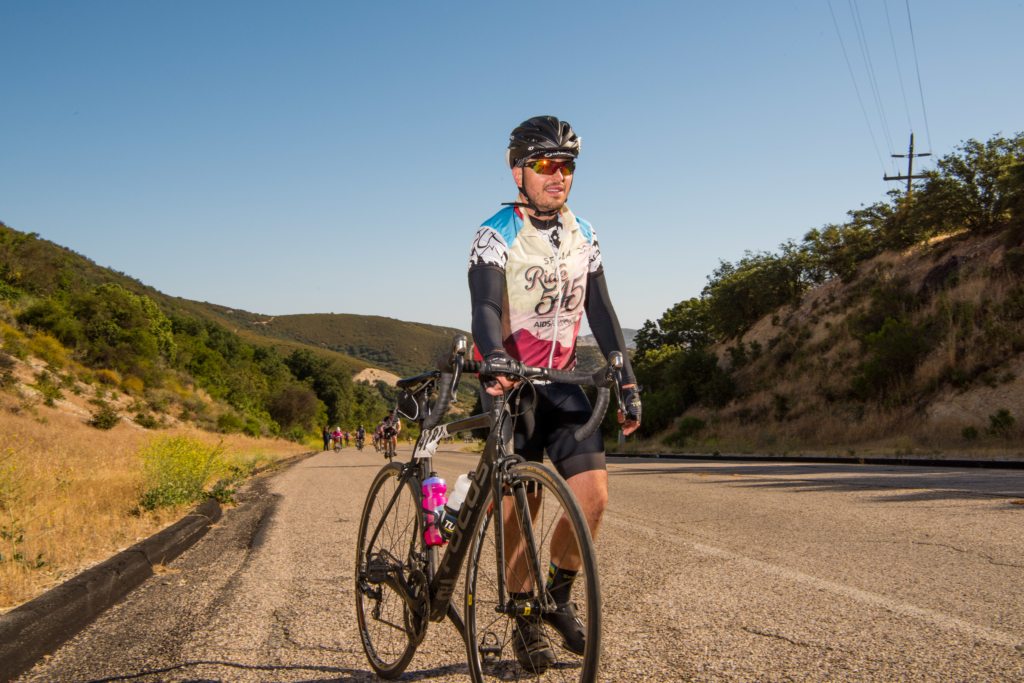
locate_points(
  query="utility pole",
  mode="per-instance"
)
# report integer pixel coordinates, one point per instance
(909, 156)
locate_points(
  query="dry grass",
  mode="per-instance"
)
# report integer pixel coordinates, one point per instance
(797, 396)
(69, 493)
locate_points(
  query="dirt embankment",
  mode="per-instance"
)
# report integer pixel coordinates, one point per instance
(373, 375)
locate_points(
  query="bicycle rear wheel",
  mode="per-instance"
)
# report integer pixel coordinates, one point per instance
(387, 554)
(490, 620)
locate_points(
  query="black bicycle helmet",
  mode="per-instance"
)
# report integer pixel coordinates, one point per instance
(542, 136)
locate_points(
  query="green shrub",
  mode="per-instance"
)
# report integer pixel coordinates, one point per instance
(8, 293)
(48, 387)
(1001, 423)
(7, 377)
(230, 423)
(146, 420)
(176, 470)
(49, 349)
(108, 377)
(970, 433)
(1013, 259)
(14, 341)
(133, 385)
(688, 427)
(105, 416)
(893, 354)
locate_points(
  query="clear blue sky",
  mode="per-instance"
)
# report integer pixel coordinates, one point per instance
(314, 157)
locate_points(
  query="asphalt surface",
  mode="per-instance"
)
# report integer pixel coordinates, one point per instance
(710, 572)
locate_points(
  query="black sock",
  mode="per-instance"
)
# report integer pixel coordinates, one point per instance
(560, 583)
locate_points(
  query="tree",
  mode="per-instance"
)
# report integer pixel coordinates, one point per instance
(977, 186)
(123, 330)
(739, 294)
(296, 407)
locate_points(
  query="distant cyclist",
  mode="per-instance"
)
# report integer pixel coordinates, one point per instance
(360, 437)
(534, 269)
(392, 428)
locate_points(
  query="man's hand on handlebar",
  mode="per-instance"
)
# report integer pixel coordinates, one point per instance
(630, 409)
(498, 384)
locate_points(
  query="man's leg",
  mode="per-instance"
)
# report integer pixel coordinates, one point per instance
(591, 490)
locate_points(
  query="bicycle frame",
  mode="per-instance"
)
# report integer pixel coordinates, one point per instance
(443, 573)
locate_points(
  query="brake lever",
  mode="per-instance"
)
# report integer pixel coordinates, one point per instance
(615, 364)
(457, 359)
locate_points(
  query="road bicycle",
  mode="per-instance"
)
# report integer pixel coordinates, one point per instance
(517, 517)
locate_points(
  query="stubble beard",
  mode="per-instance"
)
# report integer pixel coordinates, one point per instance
(547, 203)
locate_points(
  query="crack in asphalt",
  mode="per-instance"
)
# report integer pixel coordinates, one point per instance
(779, 636)
(988, 558)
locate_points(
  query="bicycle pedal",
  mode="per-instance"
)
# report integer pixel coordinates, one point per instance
(490, 647)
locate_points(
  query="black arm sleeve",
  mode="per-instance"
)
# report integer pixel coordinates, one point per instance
(604, 324)
(487, 297)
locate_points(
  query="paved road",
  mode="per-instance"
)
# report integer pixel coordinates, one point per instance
(710, 571)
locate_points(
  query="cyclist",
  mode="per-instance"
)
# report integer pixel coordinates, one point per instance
(360, 437)
(378, 436)
(534, 269)
(392, 428)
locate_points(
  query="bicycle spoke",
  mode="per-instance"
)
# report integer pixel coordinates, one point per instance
(491, 627)
(391, 523)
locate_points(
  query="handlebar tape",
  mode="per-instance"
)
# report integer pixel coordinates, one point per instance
(444, 397)
(600, 407)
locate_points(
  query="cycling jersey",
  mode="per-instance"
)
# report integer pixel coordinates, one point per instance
(530, 282)
(546, 274)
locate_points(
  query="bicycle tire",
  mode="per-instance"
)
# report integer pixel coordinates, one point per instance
(385, 620)
(489, 631)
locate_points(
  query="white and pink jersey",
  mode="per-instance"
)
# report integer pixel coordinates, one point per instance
(545, 282)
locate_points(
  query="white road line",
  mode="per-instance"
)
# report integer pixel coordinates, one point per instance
(944, 621)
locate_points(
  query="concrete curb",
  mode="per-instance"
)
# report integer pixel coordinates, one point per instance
(866, 460)
(41, 625)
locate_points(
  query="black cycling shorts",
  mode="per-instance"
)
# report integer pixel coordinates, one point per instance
(546, 422)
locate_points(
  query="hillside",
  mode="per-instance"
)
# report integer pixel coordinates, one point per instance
(159, 360)
(921, 351)
(401, 347)
(628, 334)
(353, 341)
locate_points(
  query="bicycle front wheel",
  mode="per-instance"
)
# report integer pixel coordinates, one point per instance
(514, 619)
(387, 557)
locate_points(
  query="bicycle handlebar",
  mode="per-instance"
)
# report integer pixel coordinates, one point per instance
(456, 363)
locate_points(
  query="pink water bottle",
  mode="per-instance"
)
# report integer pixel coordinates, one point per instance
(434, 490)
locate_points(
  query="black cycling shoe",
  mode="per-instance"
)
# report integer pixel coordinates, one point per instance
(531, 645)
(568, 624)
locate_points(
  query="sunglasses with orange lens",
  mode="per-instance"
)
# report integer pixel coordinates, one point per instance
(552, 166)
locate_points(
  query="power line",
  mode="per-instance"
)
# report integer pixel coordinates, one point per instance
(917, 66)
(899, 70)
(870, 67)
(860, 100)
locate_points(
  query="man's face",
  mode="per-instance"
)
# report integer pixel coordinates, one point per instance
(547, 192)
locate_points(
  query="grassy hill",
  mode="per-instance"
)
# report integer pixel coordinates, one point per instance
(353, 341)
(158, 359)
(401, 347)
(922, 351)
